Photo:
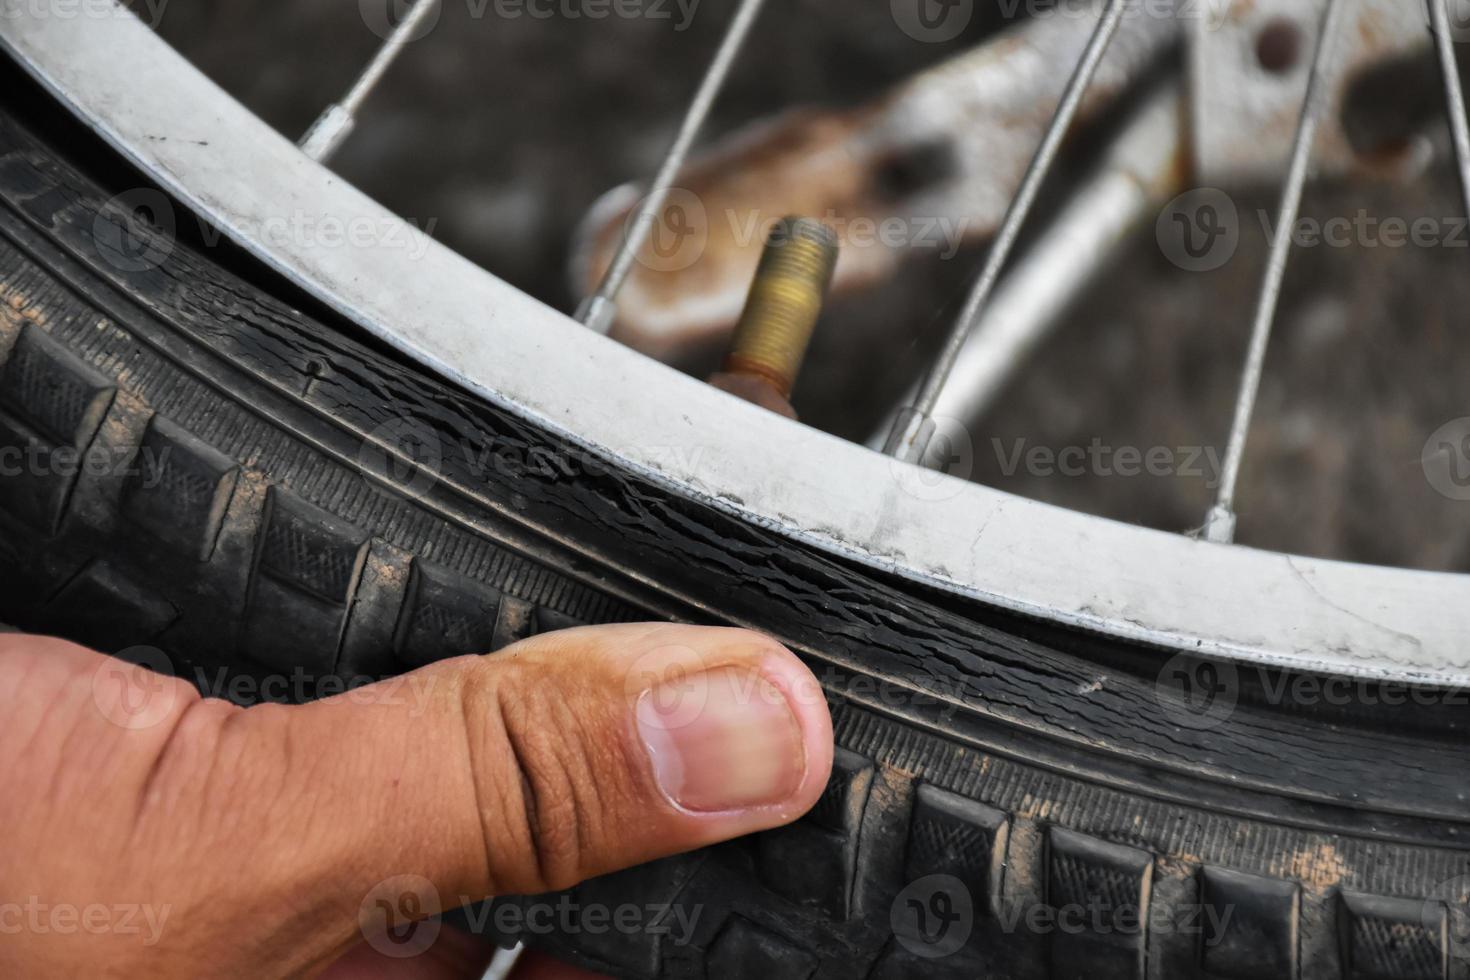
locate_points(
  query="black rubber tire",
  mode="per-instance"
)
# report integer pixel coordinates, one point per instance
(1039, 770)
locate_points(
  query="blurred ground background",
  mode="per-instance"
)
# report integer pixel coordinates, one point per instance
(504, 130)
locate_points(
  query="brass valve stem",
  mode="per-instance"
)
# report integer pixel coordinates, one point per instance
(781, 309)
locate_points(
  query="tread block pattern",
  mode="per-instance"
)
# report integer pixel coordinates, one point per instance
(954, 835)
(900, 963)
(306, 572)
(107, 610)
(47, 386)
(666, 920)
(31, 489)
(51, 405)
(551, 620)
(745, 951)
(179, 488)
(895, 964)
(1393, 938)
(446, 615)
(1251, 925)
(50, 397)
(813, 861)
(840, 807)
(515, 620)
(1099, 892)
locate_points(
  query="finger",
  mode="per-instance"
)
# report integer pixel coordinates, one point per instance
(564, 757)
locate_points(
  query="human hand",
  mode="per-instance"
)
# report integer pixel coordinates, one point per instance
(253, 841)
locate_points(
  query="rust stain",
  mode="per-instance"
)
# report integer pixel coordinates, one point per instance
(1319, 868)
(861, 170)
(696, 265)
(1033, 809)
(19, 307)
(892, 789)
(392, 574)
(1181, 865)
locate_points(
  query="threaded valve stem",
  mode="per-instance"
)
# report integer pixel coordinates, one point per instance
(784, 301)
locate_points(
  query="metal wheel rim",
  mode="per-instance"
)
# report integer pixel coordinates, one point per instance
(463, 323)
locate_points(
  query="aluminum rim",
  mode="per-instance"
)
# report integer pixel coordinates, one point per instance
(463, 323)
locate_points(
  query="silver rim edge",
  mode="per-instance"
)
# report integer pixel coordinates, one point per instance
(465, 324)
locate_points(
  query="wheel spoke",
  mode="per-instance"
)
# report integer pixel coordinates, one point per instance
(914, 427)
(1220, 523)
(600, 309)
(1439, 19)
(504, 962)
(337, 120)
(1139, 170)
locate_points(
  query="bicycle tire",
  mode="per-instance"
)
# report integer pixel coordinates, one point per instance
(277, 536)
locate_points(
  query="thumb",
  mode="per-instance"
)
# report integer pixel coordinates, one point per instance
(564, 757)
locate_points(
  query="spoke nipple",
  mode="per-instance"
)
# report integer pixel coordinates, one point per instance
(327, 133)
(1219, 525)
(780, 313)
(597, 313)
(910, 436)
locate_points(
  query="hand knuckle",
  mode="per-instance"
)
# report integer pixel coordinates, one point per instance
(555, 816)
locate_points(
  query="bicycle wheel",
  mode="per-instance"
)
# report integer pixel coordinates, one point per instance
(1127, 769)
